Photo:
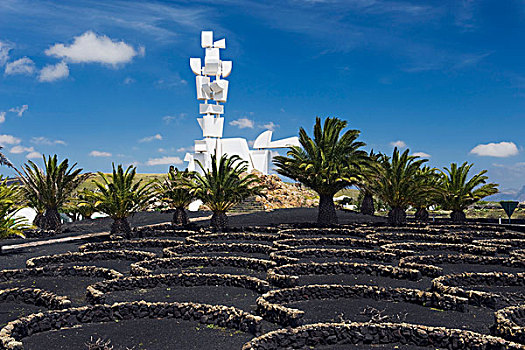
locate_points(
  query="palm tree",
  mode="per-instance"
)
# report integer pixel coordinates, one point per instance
(50, 188)
(327, 163)
(223, 186)
(10, 199)
(119, 196)
(4, 160)
(428, 178)
(458, 192)
(79, 206)
(397, 184)
(175, 192)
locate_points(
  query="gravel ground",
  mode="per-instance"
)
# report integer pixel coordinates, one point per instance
(143, 334)
(477, 319)
(241, 298)
(153, 334)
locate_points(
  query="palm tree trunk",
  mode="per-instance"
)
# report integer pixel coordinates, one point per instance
(219, 221)
(51, 220)
(397, 217)
(38, 221)
(180, 217)
(458, 216)
(367, 205)
(326, 214)
(121, 226)
(422, 214)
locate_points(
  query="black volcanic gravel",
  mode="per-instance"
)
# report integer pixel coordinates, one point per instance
(477, 319)
(142, 334)
(10, 311)
(241, 298)
(74, 287)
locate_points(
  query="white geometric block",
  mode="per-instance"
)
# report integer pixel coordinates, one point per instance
(263, 140)
(206, 39)
(200, 146)
(188, 157)
(203, 87)
(196, 66)
(212, 61)
(226, 68)
(211, 109)
(218, 85)
(220, 90)
(212, 53)
(211, 69)
(220, 44)
(261, 160)
(211, 127)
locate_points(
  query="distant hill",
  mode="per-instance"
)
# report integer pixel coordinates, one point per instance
(145, 177)
(508, 195)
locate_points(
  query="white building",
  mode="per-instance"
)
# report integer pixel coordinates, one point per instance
(212, 89)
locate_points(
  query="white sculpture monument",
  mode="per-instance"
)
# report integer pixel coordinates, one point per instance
(212, 88)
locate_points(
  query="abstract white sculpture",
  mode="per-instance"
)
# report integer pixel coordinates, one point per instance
(212, 88)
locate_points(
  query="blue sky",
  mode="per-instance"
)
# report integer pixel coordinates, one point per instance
(101, 82)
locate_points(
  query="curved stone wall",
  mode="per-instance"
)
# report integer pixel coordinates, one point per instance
(96, 293)
(426, 263)
(510, 323)
(284, 257)
(217, 247)
(293, 243)
(149, 266)
(241, 236)
(70, 257)
(408, 248)
(331, 334)
(287, 275)
(129, 244)
(223, 316)
(457, 284)
(271, 305)
(35, 296)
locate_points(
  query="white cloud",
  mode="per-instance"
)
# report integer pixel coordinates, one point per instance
(243, 123)
(21, 149)
(2, 117)
(270, 126)
(9, 140)
(19, 110)
(4, 52)
(41, 140)
(421, 154)
(398, 144)
(500, 150)
(54, 72)
(170, 118)
(129, 80)
(151, 138)
(92, 48)
(170, 82)
(185, 149)
(33, 155)
(99, 154)
(164, 161)
(24, 65)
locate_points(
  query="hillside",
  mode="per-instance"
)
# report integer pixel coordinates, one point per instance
(507, 195)
(95, 177)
